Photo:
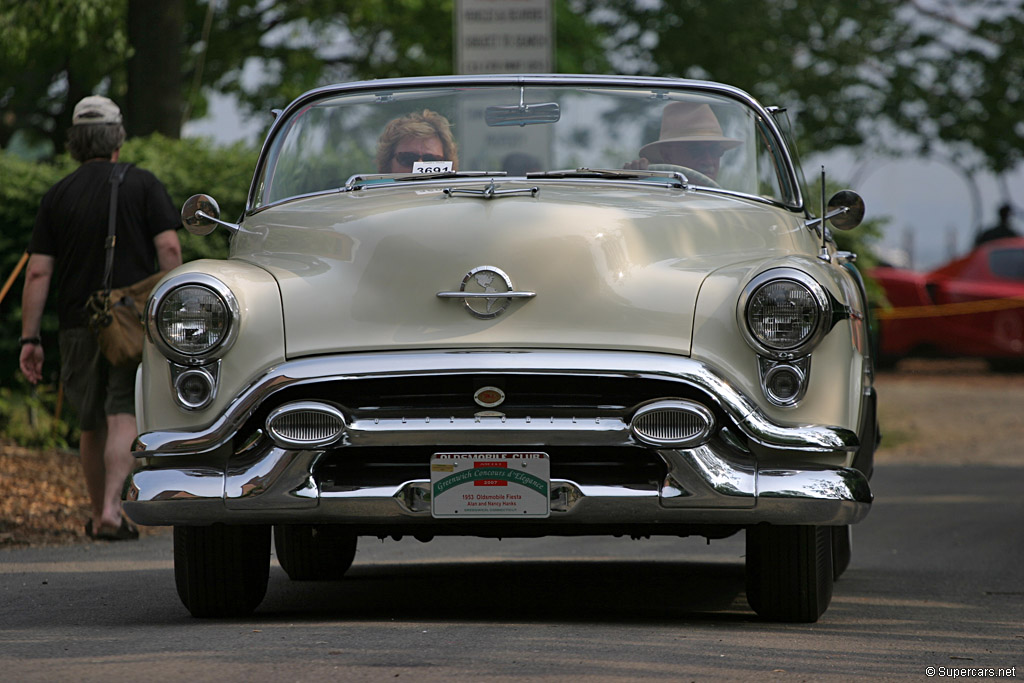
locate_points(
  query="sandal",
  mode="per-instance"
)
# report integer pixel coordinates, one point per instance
(126, 532)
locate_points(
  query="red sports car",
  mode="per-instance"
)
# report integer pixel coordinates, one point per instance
(973, 306)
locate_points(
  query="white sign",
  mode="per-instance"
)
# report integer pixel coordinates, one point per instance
(504, 36)
(432, 167)
(490, 485)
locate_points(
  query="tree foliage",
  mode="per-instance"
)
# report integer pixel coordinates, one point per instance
(264, 52)
(926, 77)
(54, 52)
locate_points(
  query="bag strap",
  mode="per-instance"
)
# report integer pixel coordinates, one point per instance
(116, 178)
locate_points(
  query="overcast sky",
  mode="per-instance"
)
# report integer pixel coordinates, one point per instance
(931, 209)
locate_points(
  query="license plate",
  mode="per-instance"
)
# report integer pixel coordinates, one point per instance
(490, 484)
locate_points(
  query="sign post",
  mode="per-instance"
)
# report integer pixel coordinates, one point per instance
(500, 37)
(504, 36)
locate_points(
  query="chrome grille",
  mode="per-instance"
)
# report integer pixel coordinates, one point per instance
(672, 423)
(305, 423)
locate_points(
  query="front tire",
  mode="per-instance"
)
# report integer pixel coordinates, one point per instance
(221, 571)
(842, 549)
(314, 552)
(789, 571)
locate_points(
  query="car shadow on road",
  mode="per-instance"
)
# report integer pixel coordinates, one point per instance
(572, 590)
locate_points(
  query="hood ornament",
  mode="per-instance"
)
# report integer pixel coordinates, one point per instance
(486, 291)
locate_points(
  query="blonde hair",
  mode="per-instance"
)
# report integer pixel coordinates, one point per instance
(423, 124)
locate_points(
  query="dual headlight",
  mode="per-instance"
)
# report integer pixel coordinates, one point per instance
(784, 313)
(193, 320)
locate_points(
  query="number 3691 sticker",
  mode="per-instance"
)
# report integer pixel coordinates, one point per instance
(432, 167)
(490, 484)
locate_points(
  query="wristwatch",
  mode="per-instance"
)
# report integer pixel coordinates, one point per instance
(36, 341)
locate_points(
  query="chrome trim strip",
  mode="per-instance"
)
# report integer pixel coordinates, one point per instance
(755, 424)
(486, 295)
(489, 431)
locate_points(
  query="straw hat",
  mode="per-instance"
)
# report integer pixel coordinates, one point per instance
(688, 122)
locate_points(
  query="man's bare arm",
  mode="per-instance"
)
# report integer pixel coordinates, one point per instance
(168, 249)
(33, 300)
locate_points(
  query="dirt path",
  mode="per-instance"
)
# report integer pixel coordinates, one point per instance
(951, 413)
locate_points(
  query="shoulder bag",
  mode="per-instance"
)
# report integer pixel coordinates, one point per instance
(116, 315)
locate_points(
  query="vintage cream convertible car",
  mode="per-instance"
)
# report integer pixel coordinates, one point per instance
(511, 306)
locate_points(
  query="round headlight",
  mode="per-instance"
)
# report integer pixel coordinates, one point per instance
(193, 319)
(783, 314)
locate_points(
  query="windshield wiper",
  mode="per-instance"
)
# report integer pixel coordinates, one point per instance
(612, 173)
(358, 182)
(448, 174)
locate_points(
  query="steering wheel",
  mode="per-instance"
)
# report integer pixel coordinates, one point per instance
(695, 177)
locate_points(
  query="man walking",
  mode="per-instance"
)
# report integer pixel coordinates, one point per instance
(68, 247)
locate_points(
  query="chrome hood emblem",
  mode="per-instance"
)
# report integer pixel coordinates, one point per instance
(486, 292)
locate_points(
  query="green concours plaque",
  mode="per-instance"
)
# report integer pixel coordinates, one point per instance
(490, 484)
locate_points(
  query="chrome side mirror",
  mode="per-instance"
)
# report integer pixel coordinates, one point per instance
(845, 210)
(201, 215)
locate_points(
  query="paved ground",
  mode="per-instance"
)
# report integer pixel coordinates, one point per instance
(936, 581)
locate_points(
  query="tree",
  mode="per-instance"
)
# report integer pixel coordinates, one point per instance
(890, 76)
(160, 58)
(54, 52)
(153, 90)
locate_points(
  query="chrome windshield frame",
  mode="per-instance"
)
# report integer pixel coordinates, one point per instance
(283, 121)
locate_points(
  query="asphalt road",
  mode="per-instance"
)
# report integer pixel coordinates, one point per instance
(937, 580)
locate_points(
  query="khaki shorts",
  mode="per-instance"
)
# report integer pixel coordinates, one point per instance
(92, 385)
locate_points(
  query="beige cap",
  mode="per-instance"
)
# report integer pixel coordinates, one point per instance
(95, 109)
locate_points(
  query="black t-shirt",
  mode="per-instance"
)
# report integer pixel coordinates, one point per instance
(71, 226)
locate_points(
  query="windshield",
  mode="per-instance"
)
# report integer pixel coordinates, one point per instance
(715, 141)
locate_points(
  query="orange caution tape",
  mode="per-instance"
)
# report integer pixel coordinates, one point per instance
(942, 310)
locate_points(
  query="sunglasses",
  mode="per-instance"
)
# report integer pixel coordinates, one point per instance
(409, 158)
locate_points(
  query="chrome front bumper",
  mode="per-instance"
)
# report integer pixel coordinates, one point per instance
(195, 478)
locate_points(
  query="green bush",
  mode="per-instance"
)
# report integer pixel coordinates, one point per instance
(186, 167)
(193, 166)
(28, 416)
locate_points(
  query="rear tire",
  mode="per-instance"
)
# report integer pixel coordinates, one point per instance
(314, 552)
(221, 571)
(789, 571)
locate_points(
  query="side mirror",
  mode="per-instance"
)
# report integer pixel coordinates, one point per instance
(201, 215)
(845, 210)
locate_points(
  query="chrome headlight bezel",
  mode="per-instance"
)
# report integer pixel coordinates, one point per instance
(217, 288)
(798, 278)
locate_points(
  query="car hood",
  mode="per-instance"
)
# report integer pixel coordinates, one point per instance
(611, 267)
